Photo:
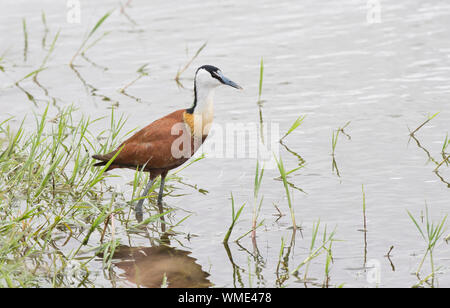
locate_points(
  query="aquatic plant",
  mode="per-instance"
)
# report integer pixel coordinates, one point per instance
(50, 196)
(431, 233)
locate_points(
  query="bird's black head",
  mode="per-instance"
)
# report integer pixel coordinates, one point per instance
(208, 68)
(207, 78)
(215, 73)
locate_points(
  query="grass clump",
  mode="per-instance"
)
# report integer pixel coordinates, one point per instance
(234, 218)
(50, 197)
(316, 248)
(431, 233)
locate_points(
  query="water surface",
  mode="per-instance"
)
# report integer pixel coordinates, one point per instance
(322, 59)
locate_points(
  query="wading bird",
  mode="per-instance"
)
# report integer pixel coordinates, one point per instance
(170, 141)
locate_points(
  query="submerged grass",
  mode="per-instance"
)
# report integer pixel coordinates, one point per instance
(47, 188)
(334, 140)
(294, 126)
(142, 72)
(257, 205)
(186, 66)
(25, 39)
(335, 136)
(234, 218)
(439, 162)
(431, 233)
(89, 35)
(315, 250)
(429, 118)
(53, 202)
(286, 188)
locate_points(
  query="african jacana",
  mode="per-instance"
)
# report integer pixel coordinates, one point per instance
(168, 142)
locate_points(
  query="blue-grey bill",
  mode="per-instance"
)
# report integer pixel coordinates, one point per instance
(228, 82)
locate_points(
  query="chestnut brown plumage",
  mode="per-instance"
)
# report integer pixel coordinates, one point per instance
(152, 148)
(149, 148)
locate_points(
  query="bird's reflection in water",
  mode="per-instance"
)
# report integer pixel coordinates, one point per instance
(147, 266)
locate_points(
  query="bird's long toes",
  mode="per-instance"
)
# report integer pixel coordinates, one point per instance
(139, 216)
(138, 211)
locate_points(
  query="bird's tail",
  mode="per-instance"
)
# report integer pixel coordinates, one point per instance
(102, 162)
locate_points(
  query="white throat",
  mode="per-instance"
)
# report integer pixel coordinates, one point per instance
(204, 111)
(205, 87)
(205, 101)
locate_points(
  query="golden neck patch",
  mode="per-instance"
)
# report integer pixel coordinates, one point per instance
(188, 118)
(199, 128)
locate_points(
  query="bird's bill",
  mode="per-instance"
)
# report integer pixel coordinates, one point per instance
(228, 82)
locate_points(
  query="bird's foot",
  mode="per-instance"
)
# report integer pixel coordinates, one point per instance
(138, 211)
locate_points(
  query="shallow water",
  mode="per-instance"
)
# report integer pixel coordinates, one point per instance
(322, 59)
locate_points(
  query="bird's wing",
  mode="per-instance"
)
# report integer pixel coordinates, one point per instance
(152, 145)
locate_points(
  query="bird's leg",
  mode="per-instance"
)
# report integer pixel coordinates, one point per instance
(138, 208)
(160, 196)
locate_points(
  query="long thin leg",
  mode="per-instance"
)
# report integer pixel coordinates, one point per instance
(160, 196)
(138, 208)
